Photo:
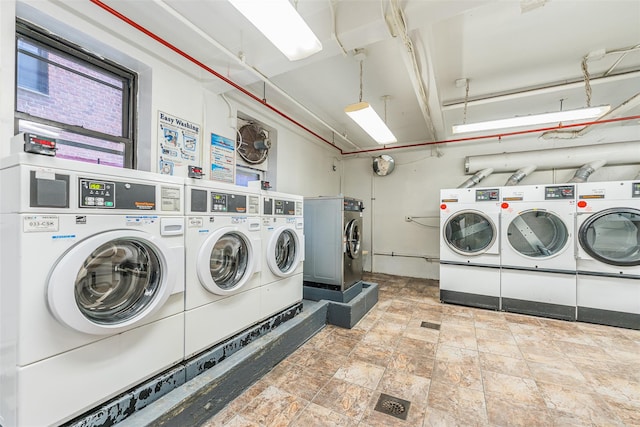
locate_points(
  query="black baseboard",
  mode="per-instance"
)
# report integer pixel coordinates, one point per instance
(609, 317)
(470, 300)
(542, 309)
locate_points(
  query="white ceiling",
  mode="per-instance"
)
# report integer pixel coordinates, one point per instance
(520, 57)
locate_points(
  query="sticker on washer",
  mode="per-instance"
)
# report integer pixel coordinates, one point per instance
(40, 223)
(238, 219)
(194, 222)
(138, 220)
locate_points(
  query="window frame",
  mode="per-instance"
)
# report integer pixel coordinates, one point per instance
(41, 37)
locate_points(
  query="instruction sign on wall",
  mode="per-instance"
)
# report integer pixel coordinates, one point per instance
(178, 144)
(223, 159)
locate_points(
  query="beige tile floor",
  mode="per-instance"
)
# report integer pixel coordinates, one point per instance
(481, 368)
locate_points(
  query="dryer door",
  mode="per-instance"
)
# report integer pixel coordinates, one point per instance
(352, 236)
(110, 282)
(469, 232)
(226, 261)
(612, 236)
(284, 252)
(538, 233)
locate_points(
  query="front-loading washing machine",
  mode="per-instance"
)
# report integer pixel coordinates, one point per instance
(283, 251)
(333, 240)
(223, 251)
(92, 290)
(538, 274)
(608, 228)
(470, 247)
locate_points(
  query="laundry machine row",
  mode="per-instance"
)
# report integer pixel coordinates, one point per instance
(92, 289)
(509, 248)
(139, 272)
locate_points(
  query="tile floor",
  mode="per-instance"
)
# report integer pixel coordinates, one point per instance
(480, 368)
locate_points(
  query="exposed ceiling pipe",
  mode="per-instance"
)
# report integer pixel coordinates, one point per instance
(257, 73)
(497, 136)
(296, 123)
(520, 174)
(475, 179)
(618, 153)
(621, 109)
(583, 174)
(213, 72)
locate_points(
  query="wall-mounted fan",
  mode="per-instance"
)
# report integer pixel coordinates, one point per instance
(253, 143)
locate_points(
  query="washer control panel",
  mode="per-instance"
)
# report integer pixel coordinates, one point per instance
(97, 194)
(102, 194)
(559, 192)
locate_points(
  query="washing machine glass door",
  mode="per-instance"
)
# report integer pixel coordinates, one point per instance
(612, 236)
(352, 234)
(284, 252)
(538, 233)
(469, 232)
(109, 282)
(225, 261)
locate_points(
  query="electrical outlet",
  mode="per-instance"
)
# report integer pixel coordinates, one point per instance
(408, 218)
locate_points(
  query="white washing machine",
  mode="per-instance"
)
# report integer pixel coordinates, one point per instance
(538, 274)
(92, 288)
(283, 251)
(470, 247)
(223, 262)
(608, 228)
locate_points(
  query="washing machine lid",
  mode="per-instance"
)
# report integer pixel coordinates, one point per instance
(469, 232)
(538, 233)
(285, 251)
(110, 282)
(226, 261)
(612, 236)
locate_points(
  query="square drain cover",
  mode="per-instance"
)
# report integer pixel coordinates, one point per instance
(430, 325)
(393, 406)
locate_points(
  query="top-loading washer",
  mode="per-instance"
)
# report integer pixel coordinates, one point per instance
(92, 288)
(283, 251)
(223, 262)
(333, 242)
(538, 274)
(470, 247)
(608, 262)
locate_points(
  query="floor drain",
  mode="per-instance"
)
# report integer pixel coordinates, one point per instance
(430, 325)
(393, 406)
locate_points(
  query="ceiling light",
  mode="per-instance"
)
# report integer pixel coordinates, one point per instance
(279, 21)
(370, 122)
(534, 119)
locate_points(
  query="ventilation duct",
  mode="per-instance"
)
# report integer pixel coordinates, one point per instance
(618, 153)
(519, 175)
(479, 176)
(583, 174)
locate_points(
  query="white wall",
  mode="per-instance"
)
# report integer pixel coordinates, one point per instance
(413, 189)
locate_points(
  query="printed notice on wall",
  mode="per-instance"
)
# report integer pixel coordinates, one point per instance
(178, 142)
(223, 159)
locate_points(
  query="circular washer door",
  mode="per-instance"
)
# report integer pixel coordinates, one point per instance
(612, 236)
(352, 235)
(469, 232)
(538, 233)
(110, 282)
(226, 261)
(284, 251)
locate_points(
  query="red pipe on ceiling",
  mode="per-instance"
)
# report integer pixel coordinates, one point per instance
(300, 125)
(208, 69)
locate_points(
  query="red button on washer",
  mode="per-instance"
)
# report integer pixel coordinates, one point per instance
(504, 205)
(443, 206)
(582, 204)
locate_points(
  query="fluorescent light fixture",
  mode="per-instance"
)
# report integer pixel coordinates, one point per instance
(279, 21)
(370, 122)
(534, 119)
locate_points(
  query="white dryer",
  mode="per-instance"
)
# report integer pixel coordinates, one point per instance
(92, 287)
(283, 251)
(470, 247)
(608, 228)
(538, 274)
(223, 262)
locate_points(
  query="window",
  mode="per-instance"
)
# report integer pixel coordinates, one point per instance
(85, 102)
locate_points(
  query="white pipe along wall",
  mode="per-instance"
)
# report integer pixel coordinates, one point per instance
(618, 153)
